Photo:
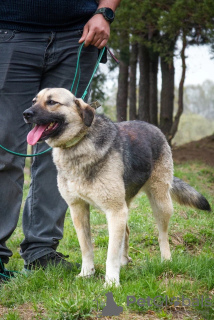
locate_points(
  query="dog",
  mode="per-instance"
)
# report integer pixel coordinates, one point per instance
(106, 164)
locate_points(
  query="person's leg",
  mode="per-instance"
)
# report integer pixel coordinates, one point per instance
(44, 211)
(20, 73)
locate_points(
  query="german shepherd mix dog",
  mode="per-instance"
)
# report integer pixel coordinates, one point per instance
(106, 164)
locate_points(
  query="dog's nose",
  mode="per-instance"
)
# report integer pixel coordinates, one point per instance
(27, 114)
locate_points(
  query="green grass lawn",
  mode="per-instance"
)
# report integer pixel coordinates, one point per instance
(56, 294)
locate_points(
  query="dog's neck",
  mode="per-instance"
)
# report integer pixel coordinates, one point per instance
(82, 133)
(75, 140)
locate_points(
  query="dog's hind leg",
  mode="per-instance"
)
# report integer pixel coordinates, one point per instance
(158, 191)
(161, 204)
(117, 221)
(81, 218)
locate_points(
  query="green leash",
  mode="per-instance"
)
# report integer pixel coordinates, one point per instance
(78, 71)
(25, 155)
(8, 274)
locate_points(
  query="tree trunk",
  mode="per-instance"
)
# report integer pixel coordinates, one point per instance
(153, 87)
(180, 92)
(167, 96)
(122, 93)
(132, 82)
(143, 99)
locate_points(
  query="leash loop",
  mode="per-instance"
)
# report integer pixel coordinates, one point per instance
(78, 70)
(25, 155)
(7, 274)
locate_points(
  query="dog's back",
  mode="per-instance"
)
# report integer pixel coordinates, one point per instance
(139, 144)
(146, 158)
(143, 145)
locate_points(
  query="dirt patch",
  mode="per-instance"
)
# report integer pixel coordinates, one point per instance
(169, 277)
(173, 313)
(25, 311)
(201, 150)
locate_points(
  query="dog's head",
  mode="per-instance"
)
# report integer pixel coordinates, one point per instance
(59, 117)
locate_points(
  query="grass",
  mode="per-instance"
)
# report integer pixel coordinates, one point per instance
(57, 294)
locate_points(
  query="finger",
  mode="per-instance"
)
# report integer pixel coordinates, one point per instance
(97, 43)
(99, 37)
(96, 39)
(89, 38)
(84, 34)
(103, 44)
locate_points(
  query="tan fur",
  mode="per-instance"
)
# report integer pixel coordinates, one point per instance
(108, 197)
(157, 189)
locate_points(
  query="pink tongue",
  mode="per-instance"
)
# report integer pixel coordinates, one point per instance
(35, 134)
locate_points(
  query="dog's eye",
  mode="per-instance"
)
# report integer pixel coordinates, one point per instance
(33, 101)
(51, 102)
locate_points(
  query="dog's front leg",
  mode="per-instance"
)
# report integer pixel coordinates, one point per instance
(117, 226)
(125, 259)
(81, 218)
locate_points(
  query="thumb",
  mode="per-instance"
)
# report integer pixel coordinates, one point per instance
(85, 32)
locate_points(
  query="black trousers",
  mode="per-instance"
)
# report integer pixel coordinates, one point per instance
(30, 62)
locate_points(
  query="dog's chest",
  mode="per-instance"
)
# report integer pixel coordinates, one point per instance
(72, 183)
(73, 188)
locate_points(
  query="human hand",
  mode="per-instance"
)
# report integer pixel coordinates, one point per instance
(96, 32)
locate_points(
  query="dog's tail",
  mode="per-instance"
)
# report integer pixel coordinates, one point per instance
(184, 194)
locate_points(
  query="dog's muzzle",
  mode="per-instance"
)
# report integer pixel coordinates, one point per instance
(28, 114)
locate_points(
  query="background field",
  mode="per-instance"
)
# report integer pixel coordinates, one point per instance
(56, 294)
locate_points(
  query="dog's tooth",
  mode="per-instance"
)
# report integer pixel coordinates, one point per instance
(50, 125)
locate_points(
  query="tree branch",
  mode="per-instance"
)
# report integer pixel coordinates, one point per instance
(180, 92)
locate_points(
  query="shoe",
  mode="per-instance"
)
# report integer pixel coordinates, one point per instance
(52, 259)
(5, 274)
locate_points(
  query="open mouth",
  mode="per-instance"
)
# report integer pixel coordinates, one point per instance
(42, 132)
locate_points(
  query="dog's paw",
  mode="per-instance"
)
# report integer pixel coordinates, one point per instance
(86, 272)
(166, 258)
(125, 260)
(111, 282)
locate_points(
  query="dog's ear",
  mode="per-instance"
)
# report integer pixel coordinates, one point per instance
(85, 111)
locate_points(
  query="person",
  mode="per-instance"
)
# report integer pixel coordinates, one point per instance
(39, 41)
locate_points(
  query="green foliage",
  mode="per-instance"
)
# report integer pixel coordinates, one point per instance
(168, 19)
(98, 87)
(190, 238)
